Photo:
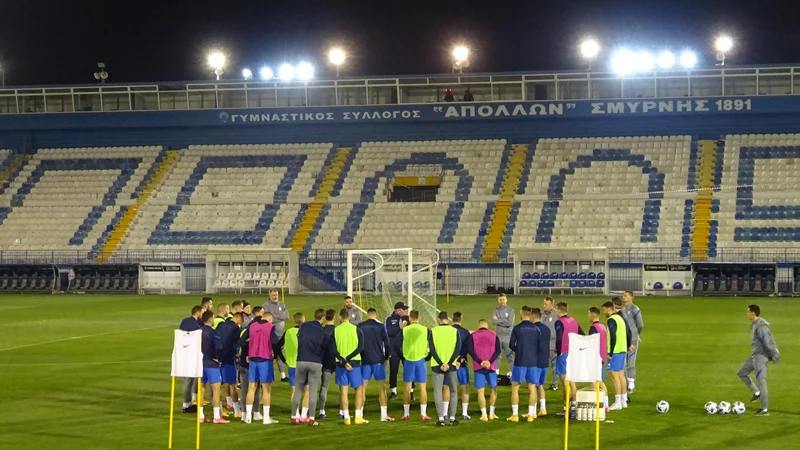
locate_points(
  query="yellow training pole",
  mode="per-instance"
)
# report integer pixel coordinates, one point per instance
(171, 410)
(566, 416)
(597, 417)
(199, 407)
(283, 277)
(447, 282)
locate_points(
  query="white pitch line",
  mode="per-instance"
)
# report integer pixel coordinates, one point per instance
(100, 363)
(80, 337)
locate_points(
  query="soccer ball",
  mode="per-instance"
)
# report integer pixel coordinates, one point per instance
(662, 407)
(739, 408)
(711, 408)
(724, 408)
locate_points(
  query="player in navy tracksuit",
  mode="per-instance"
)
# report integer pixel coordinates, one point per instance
(373, 359)
(394, 324)
(229, 333)
(463, 369)
(328, 363)
(524, 342)
(210, 345)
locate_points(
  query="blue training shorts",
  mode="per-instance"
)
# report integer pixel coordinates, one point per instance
(542, 376)
(415, 371)
(463, 375)
(482, 378)
(292, 370)
(261, 372)
(525, 375)
(229, 374)
(617, 363)
(350, 378)
(377, 371)
(561, 364)
(211, 375)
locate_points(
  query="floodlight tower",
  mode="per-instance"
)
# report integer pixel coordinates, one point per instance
(723, 45)
(590, 48)
(460, 58)
(336, 56)
(216, 60)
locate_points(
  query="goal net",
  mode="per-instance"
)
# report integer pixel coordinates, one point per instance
(381, 278)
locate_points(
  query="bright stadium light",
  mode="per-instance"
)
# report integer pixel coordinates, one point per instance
(247, 74)
(589, 49)
(623, 62)
(666, 60)
(723, 45)
(304, 71)
(460, 58)
(266, 73)
(688, 59)
(336, 56)
(216, 60)
(644, 62)
(286, 72)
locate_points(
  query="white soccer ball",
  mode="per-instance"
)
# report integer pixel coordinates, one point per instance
(739, 408)
(662, 407)
(711, 408)
(724, 408)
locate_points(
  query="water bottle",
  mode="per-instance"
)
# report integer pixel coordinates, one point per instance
(592, 414)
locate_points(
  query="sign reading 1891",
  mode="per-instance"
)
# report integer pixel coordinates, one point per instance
(734, 105)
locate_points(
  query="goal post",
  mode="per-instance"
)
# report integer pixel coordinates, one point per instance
(380, 278)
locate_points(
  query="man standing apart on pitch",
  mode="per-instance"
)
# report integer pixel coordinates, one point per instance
(191, 323)
(212, 375)
(484, 347)
(549, 318)
(543, 355)
(633, 319)
(564, 326)
(373, 360)
(313, 343)
(288, 342)
(618, 343)
(261, 351)
(762, 350)
(412, 344)
(394, 325)
(279, 317)
(595, 327)
(445, 348)
(353, 313)
(229, 335)
(463, 365)
(349, 345)
(503, 321)
(524, 343)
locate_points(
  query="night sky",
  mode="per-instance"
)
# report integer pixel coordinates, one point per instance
(58, 42)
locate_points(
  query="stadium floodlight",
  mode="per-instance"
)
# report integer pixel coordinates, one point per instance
(336, 56)
(644, 62)
(216, 60)
(589, 49)
(266, 73)
(623, 62)
(723, 45)
(247, 74)
(304, 71)
(688, 59)
(666, 60)
(460, 58)
(286, 72)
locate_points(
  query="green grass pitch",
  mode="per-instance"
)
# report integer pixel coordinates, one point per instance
(92, 372)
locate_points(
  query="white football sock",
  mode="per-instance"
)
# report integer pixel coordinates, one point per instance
(248, 410)
(406, 410)
(605, 401)
(266, 412)
(341, 412)
(216, 413)
(283, 375)
(194, 397)
(491, 410)
(237, 409)
(542, 404)
(514, 410)
(346, 413)
(384, 412)
(359, 413)
(464, 408)
(304, 413)
(229, 401)
(423, 409)
(618, 399)
(483, 412)
(202, 413)
(531, 410)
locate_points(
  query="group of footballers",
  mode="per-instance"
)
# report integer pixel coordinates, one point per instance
(240, 343)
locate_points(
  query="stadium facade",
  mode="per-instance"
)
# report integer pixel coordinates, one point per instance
(544, 182)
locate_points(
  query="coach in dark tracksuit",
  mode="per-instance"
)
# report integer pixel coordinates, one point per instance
(394, 324)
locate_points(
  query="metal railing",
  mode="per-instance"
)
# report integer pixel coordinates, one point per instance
(722, 255)
(419, 89)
